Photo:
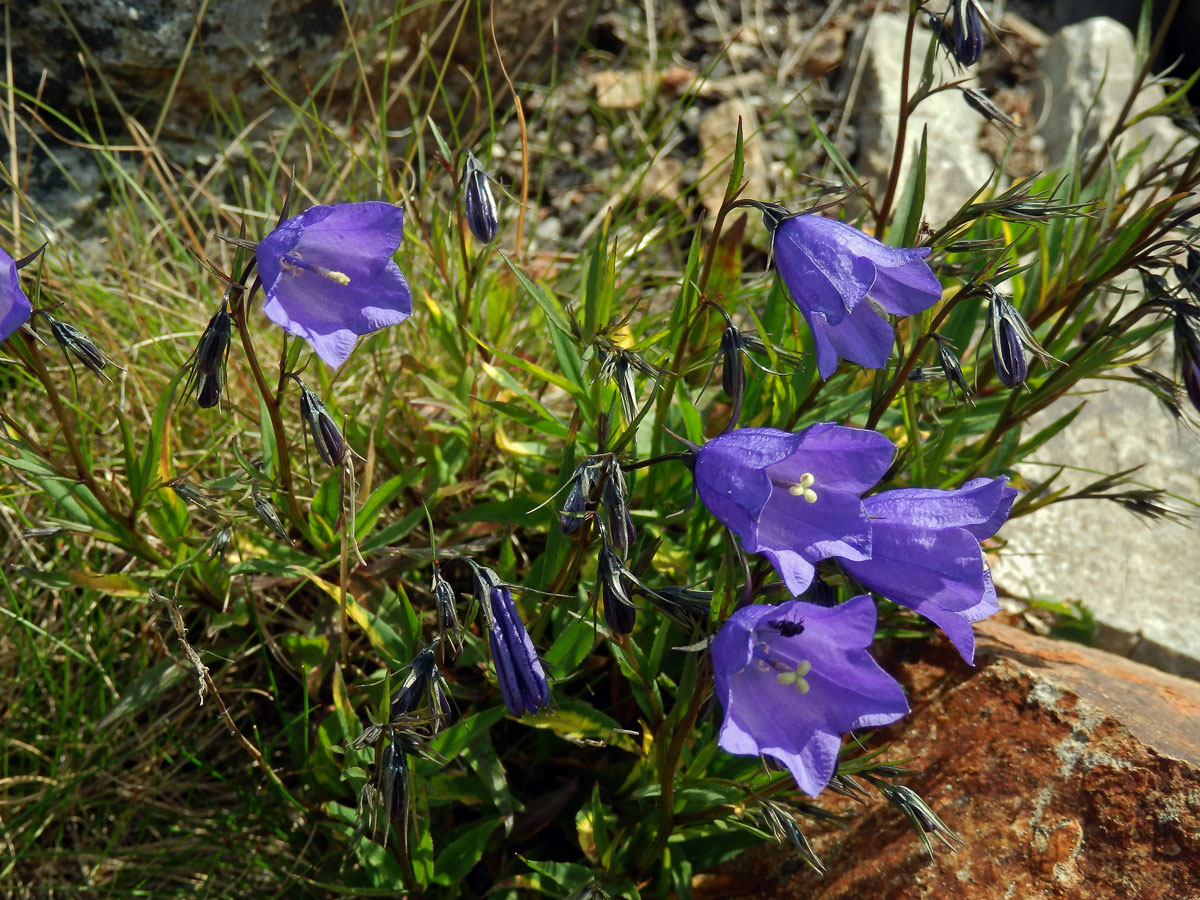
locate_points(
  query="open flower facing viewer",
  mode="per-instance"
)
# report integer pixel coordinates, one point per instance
(329, 275)
(793, 678)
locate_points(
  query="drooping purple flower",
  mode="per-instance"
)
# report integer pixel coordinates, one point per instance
(925, 553)
(794, 678)
(843, 281)
(518, 669)
(329, 275)
(15, 308)
(795, 498)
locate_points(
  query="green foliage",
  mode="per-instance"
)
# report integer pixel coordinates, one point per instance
(467, 423)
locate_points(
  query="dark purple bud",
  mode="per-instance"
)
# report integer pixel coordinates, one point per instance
(733, 367)
(393, 779)
(479, 202)
(920, 815)
(326, 436)
(188, 493)
(619, 611)
(571, 516)
(1011, 337)
(208, 360)
(951, 369)
(424, 680)
(614, 498)
(968, 32)
(1187, 349)
(982, 104)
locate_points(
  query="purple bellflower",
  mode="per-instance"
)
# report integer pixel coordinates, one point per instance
(795, 498)
(843, 281)
(794, 678)
(518, 669)
(925, 553)
(329, 275)
(15, 308)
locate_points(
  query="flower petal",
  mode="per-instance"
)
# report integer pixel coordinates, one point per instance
(980, 506)
(862, 337)
(15, 308)
(821, 273)
(837, 456)
(908, 289)
(911, 565)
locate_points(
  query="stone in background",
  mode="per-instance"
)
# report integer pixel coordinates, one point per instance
(957, 166)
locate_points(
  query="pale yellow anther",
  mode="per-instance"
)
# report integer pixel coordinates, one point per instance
(803, 488)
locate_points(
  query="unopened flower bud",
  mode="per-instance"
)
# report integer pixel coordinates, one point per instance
(479, 203)
(326, 436)
(77, 344)
(619, 611)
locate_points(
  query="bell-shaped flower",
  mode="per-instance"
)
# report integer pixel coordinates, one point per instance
(15, 308)
(795, 498)
(844, 281)
(794, 678)
(329, 275)
(925, 553)
(522, 679)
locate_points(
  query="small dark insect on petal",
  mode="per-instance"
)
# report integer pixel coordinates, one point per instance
(619, 611)
(479, 203)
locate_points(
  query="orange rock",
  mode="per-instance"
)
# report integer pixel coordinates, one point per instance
(1068, 771)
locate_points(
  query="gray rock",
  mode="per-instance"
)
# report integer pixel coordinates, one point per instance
(1139, 578)
(1088, 71)
(254, 50)
(957, 167)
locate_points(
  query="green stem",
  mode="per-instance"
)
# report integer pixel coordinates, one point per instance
(269, 397)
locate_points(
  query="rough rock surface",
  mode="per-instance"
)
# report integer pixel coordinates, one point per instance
(1089, 72)
(956, 164)
(1069, 772)
(1140, 577)
(242, 48)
